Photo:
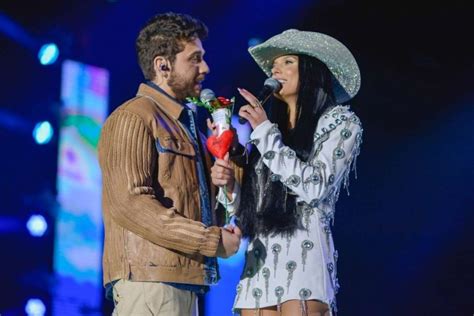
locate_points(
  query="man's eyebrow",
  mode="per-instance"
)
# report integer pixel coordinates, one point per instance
(197, 52)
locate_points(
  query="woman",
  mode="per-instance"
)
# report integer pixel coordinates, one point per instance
(299, 159)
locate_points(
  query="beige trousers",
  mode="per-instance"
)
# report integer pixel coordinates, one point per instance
(152, 298)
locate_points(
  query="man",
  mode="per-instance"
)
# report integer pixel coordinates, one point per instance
(161, 233)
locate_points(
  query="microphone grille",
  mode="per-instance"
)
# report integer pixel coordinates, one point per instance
(207, 95)
(274, 84)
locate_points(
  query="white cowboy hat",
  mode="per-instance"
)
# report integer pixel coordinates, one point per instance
(328, 50)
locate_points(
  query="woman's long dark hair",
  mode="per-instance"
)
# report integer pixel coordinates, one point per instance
(278, 212)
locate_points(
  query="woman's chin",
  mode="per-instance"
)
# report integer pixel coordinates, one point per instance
(278, 96)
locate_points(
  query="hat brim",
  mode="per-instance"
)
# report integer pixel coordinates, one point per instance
(339, 60)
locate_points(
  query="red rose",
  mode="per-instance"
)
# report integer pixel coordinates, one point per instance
(224, 101)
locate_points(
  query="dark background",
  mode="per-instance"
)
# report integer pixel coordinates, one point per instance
(405, 233)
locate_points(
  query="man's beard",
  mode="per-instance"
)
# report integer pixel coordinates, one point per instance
(182, 87)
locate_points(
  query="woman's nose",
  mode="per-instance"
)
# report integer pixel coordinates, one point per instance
(275, 69)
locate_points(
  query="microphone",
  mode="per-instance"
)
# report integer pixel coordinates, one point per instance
(207, 95)
(270, 86)
(221, 117)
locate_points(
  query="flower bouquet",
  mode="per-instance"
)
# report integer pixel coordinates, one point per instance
(221, 109)
(218, 144)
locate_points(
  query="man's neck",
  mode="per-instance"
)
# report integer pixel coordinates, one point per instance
(165, 89)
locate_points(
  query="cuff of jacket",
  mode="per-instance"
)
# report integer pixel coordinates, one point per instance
(212, 237)
(261, 130)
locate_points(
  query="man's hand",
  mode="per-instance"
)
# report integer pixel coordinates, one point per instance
(222, 173)
(212, 127)
(230, 241)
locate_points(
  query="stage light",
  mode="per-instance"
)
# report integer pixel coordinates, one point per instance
(37, 225)
(254, 41)
(43, 132)
(48, 54)
(35, 307)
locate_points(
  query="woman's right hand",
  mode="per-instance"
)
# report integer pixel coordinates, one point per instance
(252, 112)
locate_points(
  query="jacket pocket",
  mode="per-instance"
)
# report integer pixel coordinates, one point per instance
(169, 144)
(176, 167)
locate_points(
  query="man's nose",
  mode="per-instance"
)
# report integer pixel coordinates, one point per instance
(204, 68)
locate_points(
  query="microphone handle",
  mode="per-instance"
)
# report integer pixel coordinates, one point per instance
(242, 120)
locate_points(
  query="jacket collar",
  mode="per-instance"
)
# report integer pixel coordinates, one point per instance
(167, 103)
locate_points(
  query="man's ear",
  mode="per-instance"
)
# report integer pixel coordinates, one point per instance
(161, 66)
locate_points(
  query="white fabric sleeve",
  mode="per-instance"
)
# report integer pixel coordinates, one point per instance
(234, 202)
(334, 150)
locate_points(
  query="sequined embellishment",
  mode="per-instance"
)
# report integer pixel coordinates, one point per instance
(276, 248)
(326, 218)
(266, 277)
(314, 178)
(306, 246)
(248, 274)
(333, 305)
(304, 295)
(336, 281)
(345, 133)
(339, 153)
(274, 130)
(314, 203)
(319, 164)
(239, 290)
(291, 154)
(256, 253)
(257, 294)
(290, 267)
(336, 285)
(331, 179)
(294, 180)
(307, 212)
(275, 177)
(327, 230)
(254, 142)
(279, 291)
(330, 267)
(269, 155)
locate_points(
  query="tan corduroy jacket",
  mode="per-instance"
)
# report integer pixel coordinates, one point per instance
(151, 207)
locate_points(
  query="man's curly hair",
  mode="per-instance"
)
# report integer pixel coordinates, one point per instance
(163, 35)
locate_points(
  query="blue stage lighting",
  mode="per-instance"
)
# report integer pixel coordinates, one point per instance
(48, 54)
(43, 132)
(254, 41)
(37, 225)
(35, 307)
